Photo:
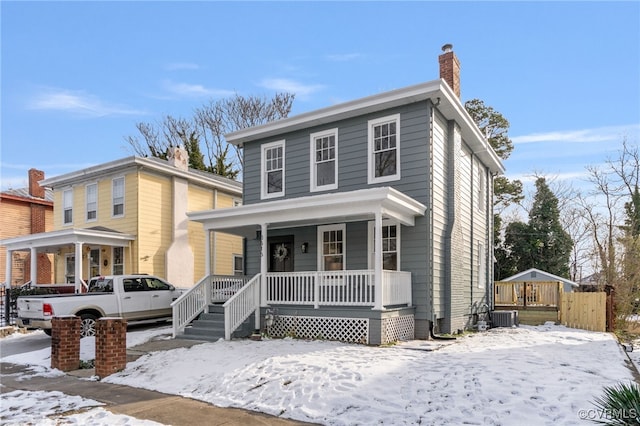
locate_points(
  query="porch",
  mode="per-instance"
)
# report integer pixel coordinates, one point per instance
(339, 305)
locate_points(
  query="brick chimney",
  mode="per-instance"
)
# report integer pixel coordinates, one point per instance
(35, 190)
(450, 68)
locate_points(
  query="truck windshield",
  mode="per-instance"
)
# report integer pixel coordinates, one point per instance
(101, 285)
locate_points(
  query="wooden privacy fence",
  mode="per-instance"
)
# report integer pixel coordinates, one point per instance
(541, 300)
(587, 311)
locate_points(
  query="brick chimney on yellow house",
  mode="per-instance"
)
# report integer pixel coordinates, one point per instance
(450, 68)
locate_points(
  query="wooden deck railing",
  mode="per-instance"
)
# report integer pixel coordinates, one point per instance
(527, 293)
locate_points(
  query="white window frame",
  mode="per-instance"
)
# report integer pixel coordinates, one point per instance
(238, 272)
(264, 182)
(326, 228)
(314, 187)
(371, 243)
(371, 151)
(91, 205)
(114, 198)
(69, 268)
(67, 206)
(113, 261)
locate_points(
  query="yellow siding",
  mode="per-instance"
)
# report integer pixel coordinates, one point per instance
(199, 198)
(155, 223)
(226, 246)
(57, 209)
(148, 215)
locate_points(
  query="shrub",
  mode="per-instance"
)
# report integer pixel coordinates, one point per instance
(620, 405)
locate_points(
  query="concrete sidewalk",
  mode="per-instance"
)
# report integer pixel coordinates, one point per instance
(135, 402)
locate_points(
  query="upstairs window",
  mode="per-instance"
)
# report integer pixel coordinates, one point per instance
(272, 170)
(67, 207)
(117, 196)
(384, 149)
(324, 160)
(92, 202)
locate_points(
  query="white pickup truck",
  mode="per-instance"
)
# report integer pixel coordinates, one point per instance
(132, 297)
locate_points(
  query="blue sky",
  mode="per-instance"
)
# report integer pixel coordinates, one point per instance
(78, 76)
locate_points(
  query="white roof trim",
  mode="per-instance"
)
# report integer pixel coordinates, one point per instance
(65, 237)
(541, 272)
(334, 207)
(450, 106)
(154, 164)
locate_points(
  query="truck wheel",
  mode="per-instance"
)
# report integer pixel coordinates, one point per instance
(87, 325)
(47, 331)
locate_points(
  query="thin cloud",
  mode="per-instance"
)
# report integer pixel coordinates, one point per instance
(195, 90)
(292, 86)
(343, 57)
(177, 66)
(599, 134)
(77, 102)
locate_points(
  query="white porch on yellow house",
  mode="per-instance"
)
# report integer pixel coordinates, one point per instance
(74, 241)
(376, 288)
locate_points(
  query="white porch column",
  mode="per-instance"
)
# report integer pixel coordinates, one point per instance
(264, 256)
(7, 270)
(78, 267)
(207, 267)
(33, 266)
(377, 261)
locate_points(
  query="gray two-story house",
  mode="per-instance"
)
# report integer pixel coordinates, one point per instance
(368, 221)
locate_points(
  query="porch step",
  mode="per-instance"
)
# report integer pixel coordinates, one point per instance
(210, 326)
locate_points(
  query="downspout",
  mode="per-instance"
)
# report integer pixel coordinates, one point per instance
(430, 240)
(490, 238)
(471, 240)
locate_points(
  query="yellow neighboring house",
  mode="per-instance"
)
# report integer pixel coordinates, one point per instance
(130, 216)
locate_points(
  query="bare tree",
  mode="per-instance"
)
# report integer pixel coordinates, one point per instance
(607, 211)
(207, 127)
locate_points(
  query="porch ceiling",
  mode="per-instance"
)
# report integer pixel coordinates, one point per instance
(311, 210)
(51, 241)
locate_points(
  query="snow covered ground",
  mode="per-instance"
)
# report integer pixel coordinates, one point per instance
(545, 375)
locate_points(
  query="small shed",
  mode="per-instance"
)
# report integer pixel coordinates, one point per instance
(534, 274)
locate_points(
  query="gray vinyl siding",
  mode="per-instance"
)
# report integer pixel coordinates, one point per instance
(461, 283)
(352, 156)
(440, 251)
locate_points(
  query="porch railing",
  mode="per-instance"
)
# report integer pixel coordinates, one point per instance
(211, 289)
(241, 305)
(530, 293)
(337, 288)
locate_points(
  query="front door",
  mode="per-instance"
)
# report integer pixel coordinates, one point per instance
(281, 254)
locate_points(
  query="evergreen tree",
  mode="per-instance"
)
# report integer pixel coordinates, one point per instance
(541, 243)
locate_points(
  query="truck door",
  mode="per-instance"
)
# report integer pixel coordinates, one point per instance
(161, 296)
(136, 300)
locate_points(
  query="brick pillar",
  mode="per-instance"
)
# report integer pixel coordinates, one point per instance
(111, 346)
(65, 343)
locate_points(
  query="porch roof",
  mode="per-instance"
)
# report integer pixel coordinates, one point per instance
(348, 206)
(51, 241)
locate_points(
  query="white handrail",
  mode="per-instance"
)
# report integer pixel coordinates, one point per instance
(241, 305)
(337, 288)
(189, 305)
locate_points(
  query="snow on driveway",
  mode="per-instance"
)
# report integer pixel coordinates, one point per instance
(545, 375)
